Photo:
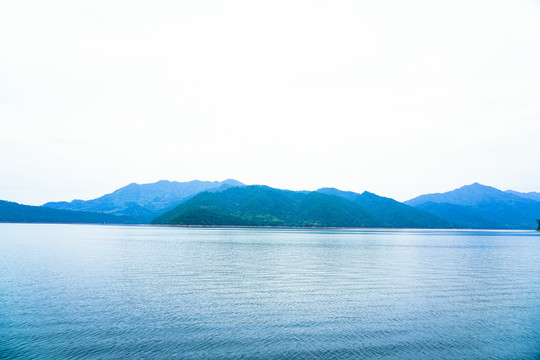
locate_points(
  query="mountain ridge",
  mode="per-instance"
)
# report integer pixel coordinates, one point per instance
(260, 205)
(486, 204)
(19, 213)
(474, 206)
(394, 213)
(529, 195)
(144, 201)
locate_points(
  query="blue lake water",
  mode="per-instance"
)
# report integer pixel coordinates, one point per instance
(119, 292)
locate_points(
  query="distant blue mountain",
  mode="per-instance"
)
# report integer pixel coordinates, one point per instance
(480, 206)
(392, 212)
(144, 201)
(13, 212)
(530, 195)
(462, 216)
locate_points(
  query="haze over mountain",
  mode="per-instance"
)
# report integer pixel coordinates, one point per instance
(144, 201)
(480, 206)
(13, 212)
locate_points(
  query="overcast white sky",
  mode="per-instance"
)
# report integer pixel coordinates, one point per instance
(396, 97)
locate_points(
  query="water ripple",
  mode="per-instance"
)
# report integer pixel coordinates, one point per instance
(103, 292)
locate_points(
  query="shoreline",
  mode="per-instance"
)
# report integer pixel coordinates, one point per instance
(259, 226)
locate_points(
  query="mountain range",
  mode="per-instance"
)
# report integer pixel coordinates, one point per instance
(391, 212)
(530, 195)
(144, 201)
(258, 205)
(13, 212)
(481, 207)
(232, 203)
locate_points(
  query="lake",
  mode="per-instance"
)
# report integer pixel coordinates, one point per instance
(125, 292)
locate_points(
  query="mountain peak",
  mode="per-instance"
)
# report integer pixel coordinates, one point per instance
(369, 193)
(478, 185)
(467, 194)
(488, 205)
(232, 182)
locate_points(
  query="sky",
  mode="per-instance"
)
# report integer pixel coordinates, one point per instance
(397, 98)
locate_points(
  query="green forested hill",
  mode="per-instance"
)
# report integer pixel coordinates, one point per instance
(265, 206)
(392, 212)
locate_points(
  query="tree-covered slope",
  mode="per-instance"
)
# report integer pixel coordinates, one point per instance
(392, 212)
(146, 200)
(13, 212)
(265, 206)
